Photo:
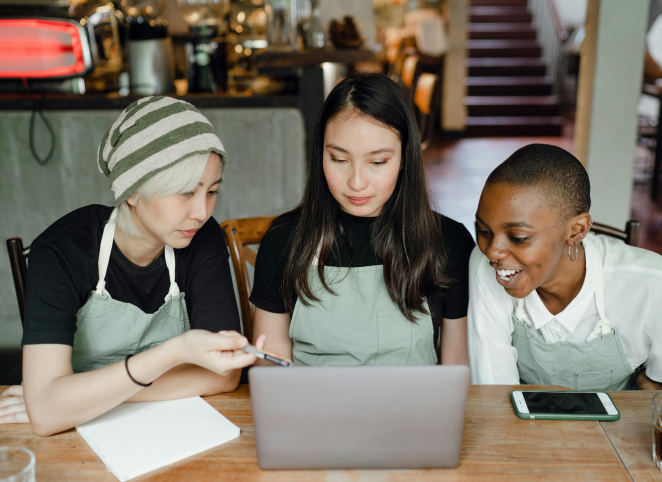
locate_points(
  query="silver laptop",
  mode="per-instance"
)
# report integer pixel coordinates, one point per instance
(358, 417)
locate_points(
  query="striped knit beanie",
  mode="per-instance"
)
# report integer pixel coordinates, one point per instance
(149, 136)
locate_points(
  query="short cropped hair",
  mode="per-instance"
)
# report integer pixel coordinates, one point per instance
(182, 177)
(558, 173)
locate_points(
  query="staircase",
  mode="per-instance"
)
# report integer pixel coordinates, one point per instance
(508, 93)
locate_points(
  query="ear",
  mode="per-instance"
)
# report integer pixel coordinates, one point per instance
(578, 228)
(131, 201)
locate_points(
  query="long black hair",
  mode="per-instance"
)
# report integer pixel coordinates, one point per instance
(406, 236)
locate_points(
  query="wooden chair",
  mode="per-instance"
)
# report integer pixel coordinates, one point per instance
(630, 236)
(427, 98)
(410, 72)
(18, 259)
(239, 233)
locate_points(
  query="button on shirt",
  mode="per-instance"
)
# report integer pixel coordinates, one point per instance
(633, 305)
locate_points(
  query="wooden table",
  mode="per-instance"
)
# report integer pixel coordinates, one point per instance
(496, 446)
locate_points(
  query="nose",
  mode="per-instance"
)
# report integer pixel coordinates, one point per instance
(199, 210)
(357, 180)
(494, 252)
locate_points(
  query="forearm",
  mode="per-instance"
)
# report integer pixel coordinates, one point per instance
(454, 342)
(275, 326)
(68, 400)
(184, 381)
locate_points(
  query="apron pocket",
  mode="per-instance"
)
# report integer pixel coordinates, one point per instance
(599, 381)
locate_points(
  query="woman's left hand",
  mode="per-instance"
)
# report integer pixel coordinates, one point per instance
(12, 406)
(645, 383)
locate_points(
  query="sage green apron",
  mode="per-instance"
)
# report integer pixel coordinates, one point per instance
(599, 364)
(360, 325)
(108, 330)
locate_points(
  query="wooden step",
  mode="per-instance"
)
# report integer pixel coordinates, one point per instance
(511, 67)
(514, 126)
(499, 15)
(498, 31)
(519, 106)
(498, 3)
(503, 48)
(508, 86)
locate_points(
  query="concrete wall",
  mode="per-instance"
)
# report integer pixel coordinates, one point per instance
(609, 88)
(264, 175)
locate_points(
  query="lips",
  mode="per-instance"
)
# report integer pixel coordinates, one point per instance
(188, 233)
(358, 201)
(507, 277)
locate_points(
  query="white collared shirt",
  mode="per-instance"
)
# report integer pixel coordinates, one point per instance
(633, 305)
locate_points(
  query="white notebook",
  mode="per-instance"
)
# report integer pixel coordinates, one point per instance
(135, 438)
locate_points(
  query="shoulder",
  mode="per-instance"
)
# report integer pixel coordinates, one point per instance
(280, 231)
(619, 257)
(79, 228)
(455, 235)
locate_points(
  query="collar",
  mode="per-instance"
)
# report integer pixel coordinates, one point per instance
(574, 312)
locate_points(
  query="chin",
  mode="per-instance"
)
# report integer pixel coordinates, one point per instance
(177, 242)
(361, 211)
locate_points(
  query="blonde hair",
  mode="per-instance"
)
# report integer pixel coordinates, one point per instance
(179, 178)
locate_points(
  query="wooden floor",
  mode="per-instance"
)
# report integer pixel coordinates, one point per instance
(457, 170)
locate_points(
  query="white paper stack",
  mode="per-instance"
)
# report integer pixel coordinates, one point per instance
(135, 438)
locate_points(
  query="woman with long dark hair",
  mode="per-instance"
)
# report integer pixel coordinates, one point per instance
(363, 272)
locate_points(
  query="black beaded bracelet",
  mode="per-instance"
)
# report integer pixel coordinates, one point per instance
(126, 365)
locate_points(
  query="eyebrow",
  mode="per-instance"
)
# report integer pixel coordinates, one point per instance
(378, 151)
(220, 180)
(520, 224)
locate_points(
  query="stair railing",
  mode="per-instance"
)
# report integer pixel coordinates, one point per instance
(551, 36)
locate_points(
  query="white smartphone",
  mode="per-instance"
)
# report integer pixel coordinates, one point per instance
(563, 405)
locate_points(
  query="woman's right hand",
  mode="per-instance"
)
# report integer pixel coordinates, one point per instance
(12, 406)
(217, 352)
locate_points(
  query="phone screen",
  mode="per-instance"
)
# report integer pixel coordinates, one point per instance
(570, 403)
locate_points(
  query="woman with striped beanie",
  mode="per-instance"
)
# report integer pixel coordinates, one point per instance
(133, 302)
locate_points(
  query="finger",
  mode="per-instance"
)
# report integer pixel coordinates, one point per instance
(16, 417)
(4, 411)
(237, 361)
(5, 402)
(229, 333)
(13, 391)
(229, 343)
(259, 343)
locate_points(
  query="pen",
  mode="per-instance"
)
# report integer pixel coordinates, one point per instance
(270, 357)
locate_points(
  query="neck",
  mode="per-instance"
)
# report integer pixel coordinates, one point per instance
(566, 283)
(140, 251)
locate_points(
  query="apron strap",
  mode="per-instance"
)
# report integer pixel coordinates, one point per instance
(520, 312)
(603, 326)
(170, 263)
(104, 252)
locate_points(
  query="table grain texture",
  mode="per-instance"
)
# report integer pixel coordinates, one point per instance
(496, 446)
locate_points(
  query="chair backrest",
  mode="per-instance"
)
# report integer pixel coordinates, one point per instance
(239, 233)
(426, 99)
(630, 236)
(409, 71)
(18, 259)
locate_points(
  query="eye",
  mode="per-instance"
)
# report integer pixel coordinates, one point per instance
(213, 193)
(188, 194)
(482, 232)
(337, 160)
(380, 162)
(519, 240)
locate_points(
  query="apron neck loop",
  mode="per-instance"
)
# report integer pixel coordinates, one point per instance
(104, 258)
(104, 252)
(603, 326)
(520, 312)
(170, 263)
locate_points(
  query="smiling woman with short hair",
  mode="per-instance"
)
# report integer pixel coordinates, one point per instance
(106, 316)
(551, 304)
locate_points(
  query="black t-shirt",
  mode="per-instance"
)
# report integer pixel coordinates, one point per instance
(63, 271)
(452, 304)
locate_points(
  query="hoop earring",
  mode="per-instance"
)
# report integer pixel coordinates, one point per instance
(576, 253)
